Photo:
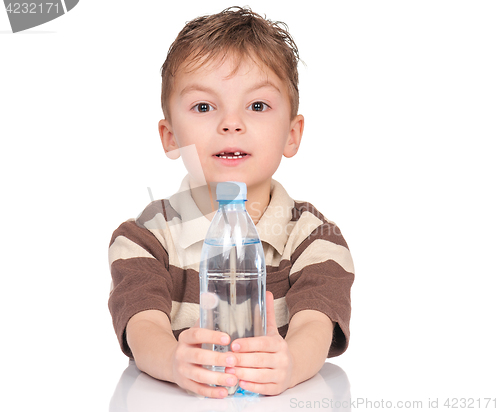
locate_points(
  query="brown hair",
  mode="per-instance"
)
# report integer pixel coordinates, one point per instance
(236, 31)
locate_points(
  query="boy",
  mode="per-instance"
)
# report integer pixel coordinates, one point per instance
(230, 100)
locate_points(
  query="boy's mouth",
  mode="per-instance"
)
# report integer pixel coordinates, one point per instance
(231, 155)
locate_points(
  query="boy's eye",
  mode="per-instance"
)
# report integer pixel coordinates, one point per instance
(258, 106)
(202, 107)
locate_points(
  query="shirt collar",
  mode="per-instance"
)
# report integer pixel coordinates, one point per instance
(193, 225)
(273, 226)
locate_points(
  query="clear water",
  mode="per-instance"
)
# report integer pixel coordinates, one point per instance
(232, 278)
(234, 307)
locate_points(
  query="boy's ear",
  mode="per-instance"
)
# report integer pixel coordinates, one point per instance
(295, 136)
(168, 140)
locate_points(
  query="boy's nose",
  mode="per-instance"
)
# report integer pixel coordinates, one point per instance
(231, 128)
(231, 124)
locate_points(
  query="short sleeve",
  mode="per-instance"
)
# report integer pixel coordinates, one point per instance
(141, 280)
(321, 277)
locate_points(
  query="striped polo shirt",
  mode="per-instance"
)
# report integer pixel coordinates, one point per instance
(154, 262)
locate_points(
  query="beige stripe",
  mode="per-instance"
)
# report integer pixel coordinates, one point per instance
(124, 248)
(322, 250)
(158, 227)
(157, 222)
(185, 315)
(170, 236)
(281, 312)
(189, 258)
(303, 228)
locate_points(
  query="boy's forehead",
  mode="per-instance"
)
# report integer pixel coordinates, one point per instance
(234, 65)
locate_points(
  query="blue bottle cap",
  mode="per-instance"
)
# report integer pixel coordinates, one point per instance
(229, 191)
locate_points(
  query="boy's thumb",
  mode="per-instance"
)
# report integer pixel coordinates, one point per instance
(272, 328)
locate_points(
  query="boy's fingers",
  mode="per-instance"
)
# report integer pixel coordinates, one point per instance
(199, 356)
(196, 336)
(256, 360)
(257, 344)
(205, 390)
(262, 388)
(272, 328)
(206, 376)
(261, 375)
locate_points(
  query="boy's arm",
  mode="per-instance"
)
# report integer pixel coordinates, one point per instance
(159, 354)
(309, 338)
(270, 364)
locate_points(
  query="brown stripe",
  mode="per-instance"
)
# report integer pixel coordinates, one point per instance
(143, 238)
(283, 330)
(340, 341)
(324, 273)
(177, 332)
(135, 290)
(301, 207)
(327, 231)
(333, 299)
(186, 285)
(277, 279)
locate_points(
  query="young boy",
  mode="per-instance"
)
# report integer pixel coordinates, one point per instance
(230, 100)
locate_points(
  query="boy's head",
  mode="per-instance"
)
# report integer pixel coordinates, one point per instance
(238, 33)
(230, 92)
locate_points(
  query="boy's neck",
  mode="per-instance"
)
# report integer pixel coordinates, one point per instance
(257, 200)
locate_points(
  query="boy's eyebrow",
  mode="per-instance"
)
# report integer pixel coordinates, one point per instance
(202, 88)
(195, 88)
(265, 83)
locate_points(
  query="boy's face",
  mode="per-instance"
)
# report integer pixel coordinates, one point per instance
(240, 124)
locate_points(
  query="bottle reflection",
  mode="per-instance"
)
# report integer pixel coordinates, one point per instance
(329, 390)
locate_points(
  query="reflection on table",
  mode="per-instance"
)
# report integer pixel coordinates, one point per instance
(328, 390)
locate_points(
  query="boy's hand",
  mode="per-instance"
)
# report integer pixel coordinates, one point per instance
(263, 364)
(188, 360)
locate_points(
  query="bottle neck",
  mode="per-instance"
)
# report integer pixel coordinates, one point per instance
(232, 204)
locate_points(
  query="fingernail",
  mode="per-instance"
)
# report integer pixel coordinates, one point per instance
(222, 393)
(231, 381)
(230, 360)
(236, 346)
(225, 340)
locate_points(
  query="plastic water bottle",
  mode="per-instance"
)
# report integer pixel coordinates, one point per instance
(232, 272)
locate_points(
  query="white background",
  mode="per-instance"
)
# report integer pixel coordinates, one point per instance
(402, 108)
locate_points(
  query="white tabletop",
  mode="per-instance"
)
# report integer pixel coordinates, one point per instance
(137, 391)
